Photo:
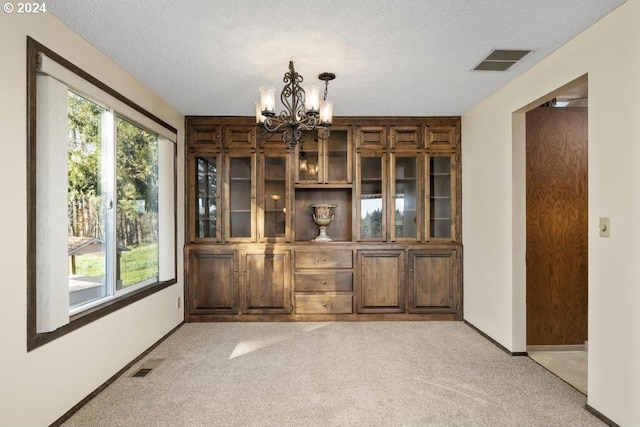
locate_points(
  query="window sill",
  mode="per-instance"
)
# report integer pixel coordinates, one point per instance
(78, 320)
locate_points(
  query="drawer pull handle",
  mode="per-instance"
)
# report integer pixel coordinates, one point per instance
(324, 282)
(324, 259)
(324, 304)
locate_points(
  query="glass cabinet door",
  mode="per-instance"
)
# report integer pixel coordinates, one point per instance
(440, 197)
(372, 198)
(206, 215)
(275, 200)
(336, 158)
(404, 192)
(324, 159)
(309, 159)
(241, 197)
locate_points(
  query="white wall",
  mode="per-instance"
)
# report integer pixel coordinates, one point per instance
(494, 211)
(36, 388)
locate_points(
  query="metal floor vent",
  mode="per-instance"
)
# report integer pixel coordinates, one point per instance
(142, 372)
(146, 368)
(500, 60)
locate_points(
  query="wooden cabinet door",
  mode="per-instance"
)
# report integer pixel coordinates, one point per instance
(204, 180)
(371, 196)
(308, 166)
(203, 135)
(442, 137)
(371, 137)
(336, 157)
(432, 281)
(274, 201)
(267, 281)
(442, 196)
(380, 281)
(406, 137)
(240, 137)
(406, 199)
(212, 282)
(240, 197)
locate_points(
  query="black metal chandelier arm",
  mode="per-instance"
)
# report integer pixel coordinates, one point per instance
(308, 122)
(273, 124)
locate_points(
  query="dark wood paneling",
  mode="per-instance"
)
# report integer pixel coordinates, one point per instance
(556, 175)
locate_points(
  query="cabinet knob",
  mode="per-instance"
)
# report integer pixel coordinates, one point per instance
(324, 282)
(324, 304)
(235, 270)
(324, 259)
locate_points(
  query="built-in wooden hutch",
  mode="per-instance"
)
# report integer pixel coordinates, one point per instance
(396, 252)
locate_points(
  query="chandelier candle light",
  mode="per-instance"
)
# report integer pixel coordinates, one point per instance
(303, 109)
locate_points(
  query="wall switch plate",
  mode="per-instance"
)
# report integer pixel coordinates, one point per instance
(604, 226)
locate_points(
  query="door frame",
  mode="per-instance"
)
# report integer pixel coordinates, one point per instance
(519, 211)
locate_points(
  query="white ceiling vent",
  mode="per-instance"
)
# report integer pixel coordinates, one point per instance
(501, 60)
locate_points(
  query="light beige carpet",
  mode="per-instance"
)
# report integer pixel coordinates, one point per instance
(335, 374)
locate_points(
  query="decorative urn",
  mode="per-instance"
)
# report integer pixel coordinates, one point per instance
(322, 216)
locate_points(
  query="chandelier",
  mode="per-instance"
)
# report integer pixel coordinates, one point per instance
(303, 109)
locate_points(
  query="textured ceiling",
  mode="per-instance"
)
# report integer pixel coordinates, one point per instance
(395, 58)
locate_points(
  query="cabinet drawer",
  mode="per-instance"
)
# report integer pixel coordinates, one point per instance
(323, 304)
(324, 259)
(324, 281)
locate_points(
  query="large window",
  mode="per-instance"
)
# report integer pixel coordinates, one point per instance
(94, 219)
(101, 199)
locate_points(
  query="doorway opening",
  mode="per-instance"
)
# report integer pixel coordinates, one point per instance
(556, 229)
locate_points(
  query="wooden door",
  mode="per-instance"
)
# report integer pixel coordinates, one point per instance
(380, 280)
(556, 176)
(212, 282)
(433, 275)
(267, 281)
